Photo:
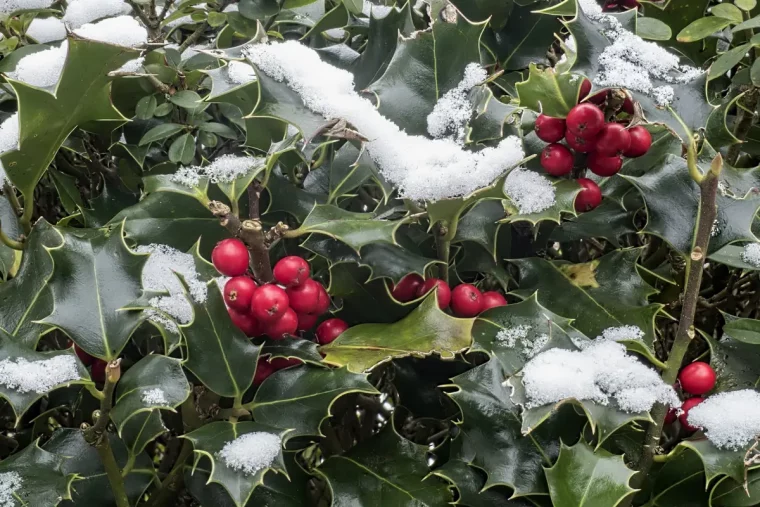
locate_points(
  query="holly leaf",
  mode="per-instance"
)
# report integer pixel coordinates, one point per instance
(95, 275)
(480, 225)
(225, 90)
(672, 200)
(426, 330)
(717, 461)
(384, 470)
(731, 255)
(293, 348)
(209, 440)
(46, 119)
(525, 37)
(140, 430)
(27, 298)
(730, 493)
(736, 356)
(469, 485)
(9, 258)
(582, 476)
(564, 203)
(549, 92)
(608, 220)
(34, 476)
(679, 481)
(218, 353)
(288, 198)
(301, 398)
(349, 169)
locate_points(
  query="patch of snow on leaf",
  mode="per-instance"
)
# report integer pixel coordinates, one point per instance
(38, 376)
(224, 169)
(377, 11)
(619, 333)
(514, 337)
(46, 30)
(751, 254)
(633, 63)
(529, 191)
(121, 31)
(135, 66)
(231, 8)
(731, 420)
(251, 452)
(9, 134)
(155, 396)
(240, 72)
(602, 372)
(453, 110)
(8, 6)
(10, 482)
(43, 68)
(422, 169)
(81, 12)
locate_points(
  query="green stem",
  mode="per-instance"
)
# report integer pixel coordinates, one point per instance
(443, 247)
(193, 37)
(9, 242)
(10, 194)
(113, 473)
(26, 217)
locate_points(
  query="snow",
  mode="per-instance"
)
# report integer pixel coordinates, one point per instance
(81, 12)
(422, 169)
(43, 68)
(10, 482)
(378, 11)
(240, 73)
(121, 31)
(46, 30)
(135, 65)
(231, 8)
(9, 136)
(513, 337)
(602, 372)
(633, 63)
(9, 6)
(751, 254)
(731, 420)
(619, 333)
(155, 396)
(452, 111)
(251, 452)
(40, 376)
(529, 191)
(224, 169)
(159, 276)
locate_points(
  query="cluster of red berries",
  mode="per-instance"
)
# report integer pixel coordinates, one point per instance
(465, 299)
(696, 379)
(586, 131)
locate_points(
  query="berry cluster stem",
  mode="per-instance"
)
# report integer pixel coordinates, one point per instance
(694, 267)
(443, 247)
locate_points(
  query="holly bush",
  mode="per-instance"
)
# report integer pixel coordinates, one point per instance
(353, 253)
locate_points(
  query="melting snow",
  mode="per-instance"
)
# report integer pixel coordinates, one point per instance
(751, 254)
(731, 420)
(121, 31)
(80, 12)
(251, 452)
(46, 30)
(452, 111)
(224, 169)
(43, 68)
(155, 396)
(240, 72)
(529, 191)
(10, 482)
(38, 376)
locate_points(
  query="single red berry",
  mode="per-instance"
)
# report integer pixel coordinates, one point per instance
(466, 300)
(230, 257)
(291, 270)
(580, 144)
(585, 119)
(329, 330)
(244, 322)
(589, 197)
(492, 299)
(98, 371)
(269, 303)
(304, 298)
(285, 325)
(641, 140)
(697, 378)
(444, 292)
(306, 321)
(238, 292)
(550, 129)
(612, 140)
(323, 300)
(406, 289)
(684, 417)
(557, 160)
(627, 105)
(83, 356)
(604, 166)
(671, 416)
(585, 89)
(279, 363)
(599, 98)
(263, 370)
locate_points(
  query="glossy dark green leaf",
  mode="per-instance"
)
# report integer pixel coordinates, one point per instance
(95, 275)
(140, 430)
(66, 185)
(584, 477)
(34, 476)
(225, 90)
(297, 348)
(727, 61)
(717, 461)
(609, 221)
(469, 483)
(479, 225)
(735, 356)
(9, 258)
(187, 99)
(565, 192)
(160, 132)
(111, 200)
(292, 200)
(679, 481)
(146, 106)
(701, 28)
(349, 169)
(381, 471)
(547, 91)
(209, 441)
(182, 149)
(300, 398)
(524, 39)
(425, 331)
(730, 493)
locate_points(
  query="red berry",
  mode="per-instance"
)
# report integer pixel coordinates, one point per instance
(580, 144)
(557, 160)
(269, 303)
(585, 89)
(98, 370)
(329, 330)
(263, 370)
(444, 292)
(630, 4)
(602, 165)
(612, 140)
(230, 257)
(306, 321)
(671, 416)
(492, 299)
(83, 356)
(599, 98)
(641, 140)
(238, 292)
(304, 298)
(627, 105)
(684, 417)
(285, 325)
(280, 363)
(323, 300)
(244, 322)
(406, 289)
(585, 119)
(550, 129)
(466, 300)
(589, 197)
(291, 270)
(697, 378)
